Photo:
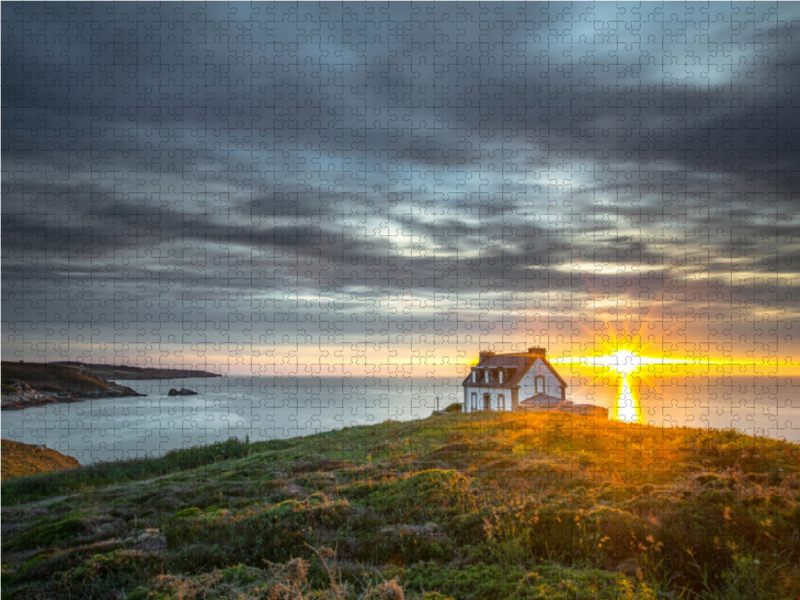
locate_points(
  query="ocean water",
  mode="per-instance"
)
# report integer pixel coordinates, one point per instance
(284, 407)
(756, 405)
(259, 408)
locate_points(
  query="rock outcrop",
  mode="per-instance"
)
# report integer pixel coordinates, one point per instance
(181, 392)
(26, 385)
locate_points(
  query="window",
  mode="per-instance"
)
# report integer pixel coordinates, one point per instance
(538, 384)
(473, 402)
(500, 375)
(501, 402)
(474, 376)
(486, 375)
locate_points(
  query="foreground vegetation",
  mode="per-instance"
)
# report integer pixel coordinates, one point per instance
(519, 506)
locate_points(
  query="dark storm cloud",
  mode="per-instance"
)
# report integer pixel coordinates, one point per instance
(253, 159)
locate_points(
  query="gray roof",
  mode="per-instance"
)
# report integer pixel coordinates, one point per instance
(518, 365)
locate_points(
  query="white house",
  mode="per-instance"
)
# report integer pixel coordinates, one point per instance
(507, 382)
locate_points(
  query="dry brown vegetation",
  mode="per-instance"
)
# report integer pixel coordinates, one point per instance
(25, 459)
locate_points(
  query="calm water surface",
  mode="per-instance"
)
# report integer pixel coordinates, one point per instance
(269, 408)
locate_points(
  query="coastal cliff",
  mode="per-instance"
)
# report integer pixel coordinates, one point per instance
(25, 385)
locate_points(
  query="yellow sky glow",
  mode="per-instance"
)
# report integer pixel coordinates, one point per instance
(630, 367)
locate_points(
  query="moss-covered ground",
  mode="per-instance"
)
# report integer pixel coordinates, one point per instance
(490, 506)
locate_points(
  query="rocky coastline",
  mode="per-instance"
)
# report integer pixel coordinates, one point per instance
(28, 397)
(28, 384)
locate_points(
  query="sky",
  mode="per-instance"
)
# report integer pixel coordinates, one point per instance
(326, 188)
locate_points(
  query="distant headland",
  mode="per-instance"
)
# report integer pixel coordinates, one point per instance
(128, 372)
(25, 384)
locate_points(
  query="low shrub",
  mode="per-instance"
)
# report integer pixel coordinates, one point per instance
(50, 533)
(402, 545)
(275, 533)
(423, 496)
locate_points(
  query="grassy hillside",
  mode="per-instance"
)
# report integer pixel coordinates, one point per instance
(517, 506)
(24, 459)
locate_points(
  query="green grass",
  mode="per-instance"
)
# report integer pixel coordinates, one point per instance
(38, 487)
(460, 506)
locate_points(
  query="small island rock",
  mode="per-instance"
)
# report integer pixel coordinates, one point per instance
(181, 392)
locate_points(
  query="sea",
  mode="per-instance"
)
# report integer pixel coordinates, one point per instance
(264, 408)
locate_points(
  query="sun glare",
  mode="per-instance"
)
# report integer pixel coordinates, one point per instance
(622, 361)
(627, 407)
(632, 361)
(623, 358)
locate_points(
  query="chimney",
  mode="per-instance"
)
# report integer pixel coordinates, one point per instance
(484, 353)
(538, 352)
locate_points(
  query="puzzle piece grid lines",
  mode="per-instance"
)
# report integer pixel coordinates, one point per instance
(369, 214)
(378, 192)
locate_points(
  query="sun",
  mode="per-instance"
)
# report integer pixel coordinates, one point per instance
(623, 357)
(628, 359)
(622, 361)
(625, 362)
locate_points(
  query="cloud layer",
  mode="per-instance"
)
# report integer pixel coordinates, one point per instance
(373, 184)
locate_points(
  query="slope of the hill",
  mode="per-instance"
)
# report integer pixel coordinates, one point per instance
(480, 506)
(25, 459)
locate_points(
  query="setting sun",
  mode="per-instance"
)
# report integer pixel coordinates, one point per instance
(626, 407)
(624, 361)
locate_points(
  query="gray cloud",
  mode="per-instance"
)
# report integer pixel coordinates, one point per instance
(207, 169)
